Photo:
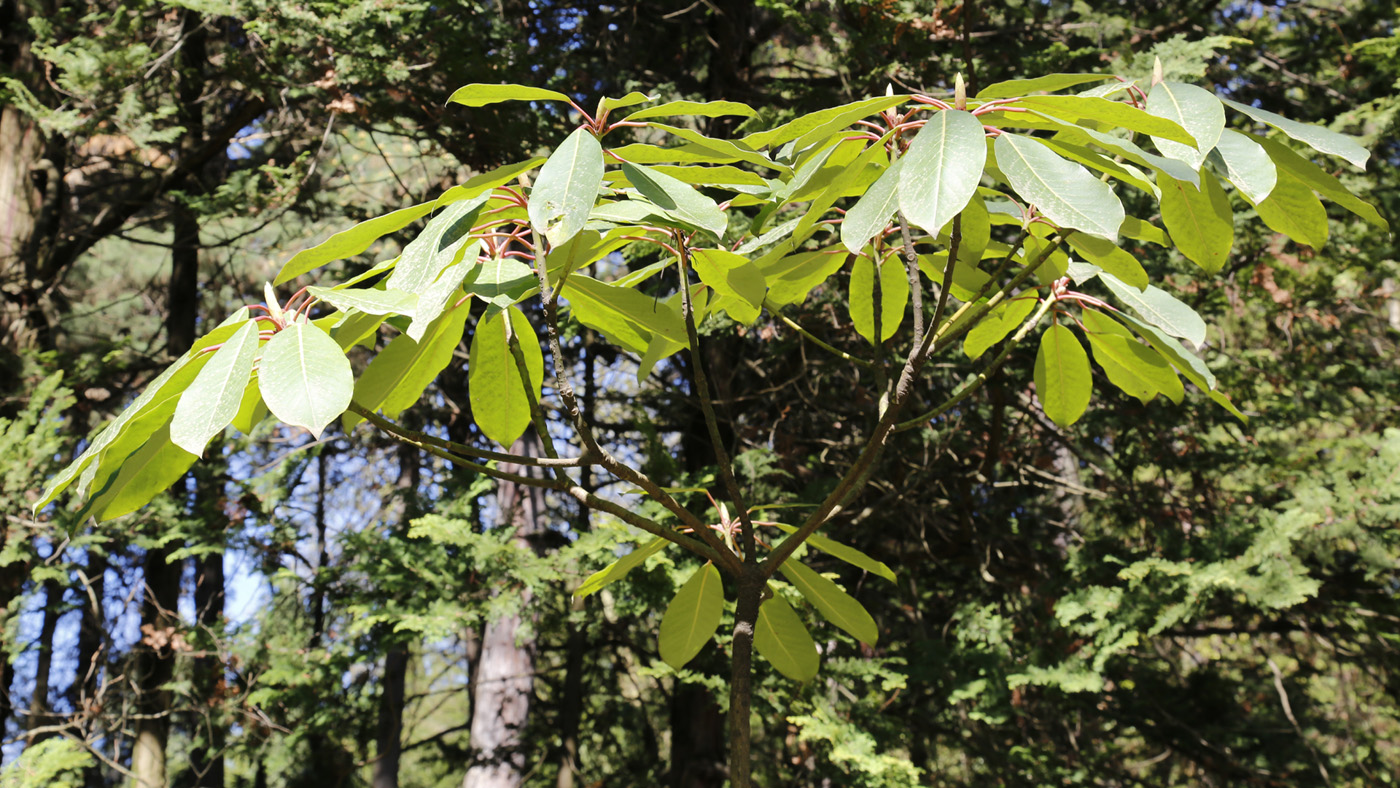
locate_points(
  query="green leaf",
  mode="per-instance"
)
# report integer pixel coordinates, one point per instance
(689, 153)
(618, 569)
(941, 169)
(486, 181)
(621, 311)
(348, 243)
(871, 213)
(845, 553)
(791, 278)
(1109, 257)
(1125, 148)
(703, 109)
(692, 617)
(305, 378)
(783, 640)
(500, 281)
(1064, 192)
(212, 400)
(1094, 160)
(567, 187)
(735, 151)
(822, 122)
(438, 246)
(1200, 220)
(1113, 113)
(1292, 209)
(1247, 165)
(894, 296)
(1045, 84)
(498, 395)
(1161, 309)
(1186, 362)
(479, 94)
(732, 275)
(1321, 139)
(371, 302)
(831, 601)
(678, 199)
(1197, 110)
(1000, 321)
(1319, 181)
(630, 100)
(1140, 230)
(140, 476)
(1136, 369)
(851, 180)
(720, 175)
(397, 377)
(251, 409)
(1063, 381)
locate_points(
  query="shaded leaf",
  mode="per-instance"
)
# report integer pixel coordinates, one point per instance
(1292, 209)
(618, 569)
(871, 213)
(692, 617)
(1200, 220)
(831, 601)
(894, 297)
(679, 200)
(498, 394)
(1063, 381)
(783, 640)
(999, 322)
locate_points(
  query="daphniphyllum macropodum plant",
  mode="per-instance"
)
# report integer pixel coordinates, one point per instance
(971, 220)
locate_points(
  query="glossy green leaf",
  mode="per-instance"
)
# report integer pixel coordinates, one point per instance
(678, 199)
(1045, 84)
(397, 377)
(480, 94)
(439, 245)
(499, 401)
(940, 171)
(781, 637)
(894, 296)
(1138, 370)
(1063, 381)
(1292, 209)
(692, 617)
(1064, 192)
(871, 213)
(372, 302)
(1286, 159)
(567, 187)
(818, 123)
(486, 181)
(1161, 309)
(999, 322)
(1115, 114)
(348, 243)
(1200, 220)
(1185, 362)
(618, 569)
(791, 278)
(1319, 138)
(1109, 257)
(702, 109)
(140, 476)
(1247, 166)
(305, 378)
(732, 275)
(735, 151)
(630, 100)
(600, 305)
(251, 409)
(212, 400)
(1195, 109)
(500, 281)
(831, 601)
(845, 553)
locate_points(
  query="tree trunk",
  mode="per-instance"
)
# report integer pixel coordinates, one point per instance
(91, 640)
(389, 738)
(505, 674)
(154, 666)
(207, 761)
(40, 712)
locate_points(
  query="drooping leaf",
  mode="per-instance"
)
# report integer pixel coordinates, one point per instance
(348, 243)
(1321, 139)
(1200, 220)
(791, 278)
(618, 569)
(480, 94)
(1063, 381)
(567, 187)
(305, 378)
(732, 275)
(1064, 192)
(621, 311)
(1045, 84)
(1130, 151)
(498, 394)
(1247, 166)
(702, 109)
(1185, 362)
(831, 601)
(783, 640)
(845, 553)
(1000, 321)
(1197, 110)
(678, 199)
(140, 476)
(397, 377)
(437, 247)
(251, 409)
(1293, 210)
(1161, 309)
(817, 123)
(1319, 181)
(1133, 367)
(1116, 114)
(894, 296)
(692, 617)
(212, 400)
(871, 213)
(372, 302)
(1110, 257)
(941, 170)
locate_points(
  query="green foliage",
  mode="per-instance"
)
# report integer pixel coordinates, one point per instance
(53, 763)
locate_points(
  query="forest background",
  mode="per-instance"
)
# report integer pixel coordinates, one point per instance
(1158, 595)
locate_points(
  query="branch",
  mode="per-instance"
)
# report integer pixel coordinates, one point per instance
(461, 449)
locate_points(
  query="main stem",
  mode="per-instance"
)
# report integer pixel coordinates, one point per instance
(750, 595)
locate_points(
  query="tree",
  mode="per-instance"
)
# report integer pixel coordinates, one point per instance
(944, 191)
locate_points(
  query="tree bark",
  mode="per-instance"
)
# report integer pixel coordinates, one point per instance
(505, 674)
(389, 738)
(91, 640)
(154, 667)
(207, 761)
(40, 712)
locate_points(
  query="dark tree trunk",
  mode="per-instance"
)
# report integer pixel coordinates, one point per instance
(92, 639)
(40, 711)
(389, 738)
(154, 666)
(505, 675)
(207, 761)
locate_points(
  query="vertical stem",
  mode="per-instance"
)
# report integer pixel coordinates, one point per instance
(750, 595)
